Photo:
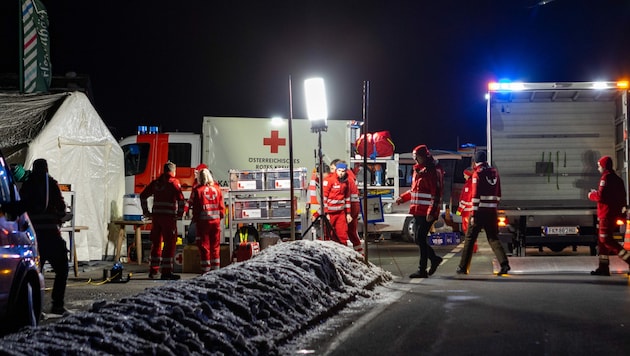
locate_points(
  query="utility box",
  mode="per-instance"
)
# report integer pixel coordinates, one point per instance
(192, 261)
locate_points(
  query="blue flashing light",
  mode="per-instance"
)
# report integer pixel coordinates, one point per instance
(505, 86)
(153, 129)
(142, 130)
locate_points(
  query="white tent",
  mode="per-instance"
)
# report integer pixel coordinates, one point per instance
(82, 152)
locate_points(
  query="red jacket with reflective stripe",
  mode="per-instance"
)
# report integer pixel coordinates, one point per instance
(168, 198)
(336, 195)
(465, 199)
(426, 190)
(486, 188)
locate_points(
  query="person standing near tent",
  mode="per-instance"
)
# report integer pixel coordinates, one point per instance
(46, 207)
(206, 201)
(168, 206)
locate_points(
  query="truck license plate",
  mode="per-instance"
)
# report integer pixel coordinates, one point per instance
(561, 230)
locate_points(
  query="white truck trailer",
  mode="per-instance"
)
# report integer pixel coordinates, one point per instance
(545, 140)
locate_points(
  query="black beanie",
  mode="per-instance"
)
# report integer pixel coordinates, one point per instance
(40, 166)
(480, 156)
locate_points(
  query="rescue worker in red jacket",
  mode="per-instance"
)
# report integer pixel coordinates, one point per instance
(611, 201)
(485, 195)
(337, 202)
(355, 208)
(168, 206)
(206, 200)
(465, 202)
(425, 196)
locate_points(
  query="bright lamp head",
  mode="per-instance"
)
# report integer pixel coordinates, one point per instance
(316, 107)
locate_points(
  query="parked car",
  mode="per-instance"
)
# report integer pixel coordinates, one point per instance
(21, 281)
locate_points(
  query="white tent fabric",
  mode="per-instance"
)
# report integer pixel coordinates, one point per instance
(81, 151)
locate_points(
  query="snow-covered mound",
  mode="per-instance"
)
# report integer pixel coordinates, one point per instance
(248, 308)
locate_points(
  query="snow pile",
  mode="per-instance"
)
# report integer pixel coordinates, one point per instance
(248, 308)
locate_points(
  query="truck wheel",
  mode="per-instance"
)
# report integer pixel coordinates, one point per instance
(408, 233)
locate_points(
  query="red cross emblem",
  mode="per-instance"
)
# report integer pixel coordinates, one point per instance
(179, 258)
(274, 141)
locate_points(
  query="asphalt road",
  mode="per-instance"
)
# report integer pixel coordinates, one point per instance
(548, 305)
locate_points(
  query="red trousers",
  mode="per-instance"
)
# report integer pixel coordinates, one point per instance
(340, 226)
(209, 244)
(606, 242)
(164, 229)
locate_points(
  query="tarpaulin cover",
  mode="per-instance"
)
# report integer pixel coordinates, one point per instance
(82, 152)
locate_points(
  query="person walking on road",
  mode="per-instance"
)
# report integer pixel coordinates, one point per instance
(168, 206)
(485, 196)
(611, 201)
(206, 201)
(425, 196)
(46, 207)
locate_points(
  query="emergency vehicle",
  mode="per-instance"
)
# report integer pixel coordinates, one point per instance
(545, 140)
(229, 143)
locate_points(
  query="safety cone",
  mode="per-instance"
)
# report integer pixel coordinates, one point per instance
(626, 236)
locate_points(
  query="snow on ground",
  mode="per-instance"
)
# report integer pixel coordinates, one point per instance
(249, 308)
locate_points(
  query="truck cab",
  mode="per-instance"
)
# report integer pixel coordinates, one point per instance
(146, 153)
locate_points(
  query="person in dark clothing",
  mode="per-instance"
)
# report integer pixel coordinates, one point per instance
(46, 207)
(485, 196)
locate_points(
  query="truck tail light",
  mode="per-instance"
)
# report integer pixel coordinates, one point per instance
(502, 221)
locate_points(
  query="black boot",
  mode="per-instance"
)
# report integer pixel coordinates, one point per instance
(504, 269)
(419, 274)
(601, 272)
(435, 262)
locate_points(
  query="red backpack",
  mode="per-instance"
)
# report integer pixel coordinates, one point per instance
(379, 144)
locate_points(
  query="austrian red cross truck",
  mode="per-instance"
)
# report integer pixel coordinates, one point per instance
(228, 143)
(545, 140)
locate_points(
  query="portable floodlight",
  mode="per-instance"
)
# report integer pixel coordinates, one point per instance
(316, 107)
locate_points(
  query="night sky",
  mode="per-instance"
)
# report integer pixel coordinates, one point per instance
(169, 63)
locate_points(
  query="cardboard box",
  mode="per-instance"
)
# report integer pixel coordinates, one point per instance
(191, 260)
(226, 258)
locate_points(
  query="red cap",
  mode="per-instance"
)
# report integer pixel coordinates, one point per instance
(605, 162)
(201, 166)
(422, 150)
